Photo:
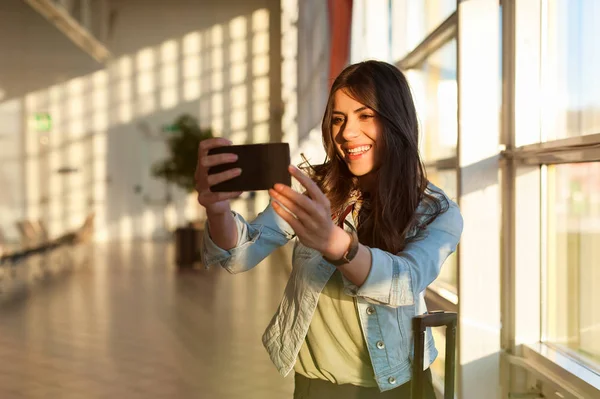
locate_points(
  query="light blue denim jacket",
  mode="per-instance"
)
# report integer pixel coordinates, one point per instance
(391, 296)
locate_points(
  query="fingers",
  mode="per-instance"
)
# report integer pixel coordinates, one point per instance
(208, 197)
(223, 176)
(299, 200)
(209, 144)
(218, 159)
(311, 187)
(291, 205)
(289, 218)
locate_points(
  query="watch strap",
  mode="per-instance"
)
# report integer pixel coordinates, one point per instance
(350, 253)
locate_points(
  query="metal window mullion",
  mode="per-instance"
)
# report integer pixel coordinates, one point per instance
(508, 183)
(434, 41)
(59, 17)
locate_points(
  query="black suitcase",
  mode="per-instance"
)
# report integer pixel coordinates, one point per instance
(420, 323)
(187, 246)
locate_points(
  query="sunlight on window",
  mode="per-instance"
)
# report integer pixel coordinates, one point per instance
(217, 104)
(238, 97)
(125, 67)
(192, 43)
(125, 226)
(217, 58)
(145, 83)
(124, 91)
(169, 75)
(238, 73)
(260, 43)
(55, 93)
(239, 137)
(260, 20)
(146, 86)
(145, 59)
(125, 113)
(75, 107)
(260, 88)
(217, 126)
(260, 133)
(77, 128)
(260, 112)
(238, 51)
(260, 65)
(168, 98)
(149, 220)
(99, 99)
(217, 81)
(191, 67)
(169, 51)
(238, 28)
(239, 119)
(216, 36)
(192, 90)
(75, 87)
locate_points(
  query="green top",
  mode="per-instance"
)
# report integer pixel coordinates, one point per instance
(334, 349)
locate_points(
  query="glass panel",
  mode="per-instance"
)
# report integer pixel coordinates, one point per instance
(412, 21)
(438, 367)
(446, 180)
(435, 91)
(570, 69)
(573, 276)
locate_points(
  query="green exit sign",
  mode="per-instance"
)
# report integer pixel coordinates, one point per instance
(170, 128)
(42, 122)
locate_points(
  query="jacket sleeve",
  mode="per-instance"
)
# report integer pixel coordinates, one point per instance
(397, 279)
(256, 240)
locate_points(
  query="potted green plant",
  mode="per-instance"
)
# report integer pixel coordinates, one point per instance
(179, 169)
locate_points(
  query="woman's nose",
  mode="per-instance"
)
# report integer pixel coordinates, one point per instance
(351, 131)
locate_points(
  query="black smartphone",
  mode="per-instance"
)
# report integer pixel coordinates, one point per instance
(262, 166)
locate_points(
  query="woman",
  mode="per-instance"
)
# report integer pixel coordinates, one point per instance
(372, 234)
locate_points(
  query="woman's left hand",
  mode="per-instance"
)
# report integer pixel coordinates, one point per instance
(312, 221)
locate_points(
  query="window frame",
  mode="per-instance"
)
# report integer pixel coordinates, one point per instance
(559, 373)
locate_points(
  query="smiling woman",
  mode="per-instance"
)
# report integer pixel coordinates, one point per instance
(372, 233)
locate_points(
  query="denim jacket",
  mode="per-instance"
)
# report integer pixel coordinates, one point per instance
(391, 296)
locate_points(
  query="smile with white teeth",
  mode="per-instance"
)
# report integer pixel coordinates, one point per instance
(359, 150)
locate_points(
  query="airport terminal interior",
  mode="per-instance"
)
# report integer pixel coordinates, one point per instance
(102, 291)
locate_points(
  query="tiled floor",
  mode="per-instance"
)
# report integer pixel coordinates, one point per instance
(129, 325)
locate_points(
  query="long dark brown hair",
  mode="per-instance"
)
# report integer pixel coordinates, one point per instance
(401, 181)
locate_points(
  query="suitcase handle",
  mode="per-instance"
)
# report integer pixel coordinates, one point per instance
(437, 318)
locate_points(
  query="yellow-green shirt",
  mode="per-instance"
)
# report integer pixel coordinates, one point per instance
(334, 348)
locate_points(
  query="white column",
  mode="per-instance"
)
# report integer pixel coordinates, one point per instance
(479, 253)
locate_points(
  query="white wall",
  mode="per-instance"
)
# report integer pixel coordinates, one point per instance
(219, 61)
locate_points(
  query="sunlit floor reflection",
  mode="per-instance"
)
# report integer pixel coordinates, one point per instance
(130, 325)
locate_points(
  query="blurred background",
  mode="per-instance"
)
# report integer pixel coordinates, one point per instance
(93, 302)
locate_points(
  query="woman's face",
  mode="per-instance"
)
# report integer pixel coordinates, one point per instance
(356, 132)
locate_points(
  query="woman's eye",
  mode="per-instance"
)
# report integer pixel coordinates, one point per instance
(337, 120)
(366, 116)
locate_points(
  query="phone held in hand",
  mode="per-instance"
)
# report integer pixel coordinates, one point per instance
(263, 165)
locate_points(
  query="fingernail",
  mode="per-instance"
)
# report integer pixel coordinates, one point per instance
(278, 187)
(238, 171)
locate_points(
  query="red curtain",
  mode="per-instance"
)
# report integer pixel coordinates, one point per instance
(340, 22)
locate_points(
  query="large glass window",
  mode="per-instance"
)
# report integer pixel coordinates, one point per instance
(573, 246)
(413, 21)
(571, 105)
(435, 92)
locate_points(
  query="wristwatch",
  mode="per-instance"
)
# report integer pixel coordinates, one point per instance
(350, 253)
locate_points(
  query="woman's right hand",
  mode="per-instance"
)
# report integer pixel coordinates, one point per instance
(213, 202)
